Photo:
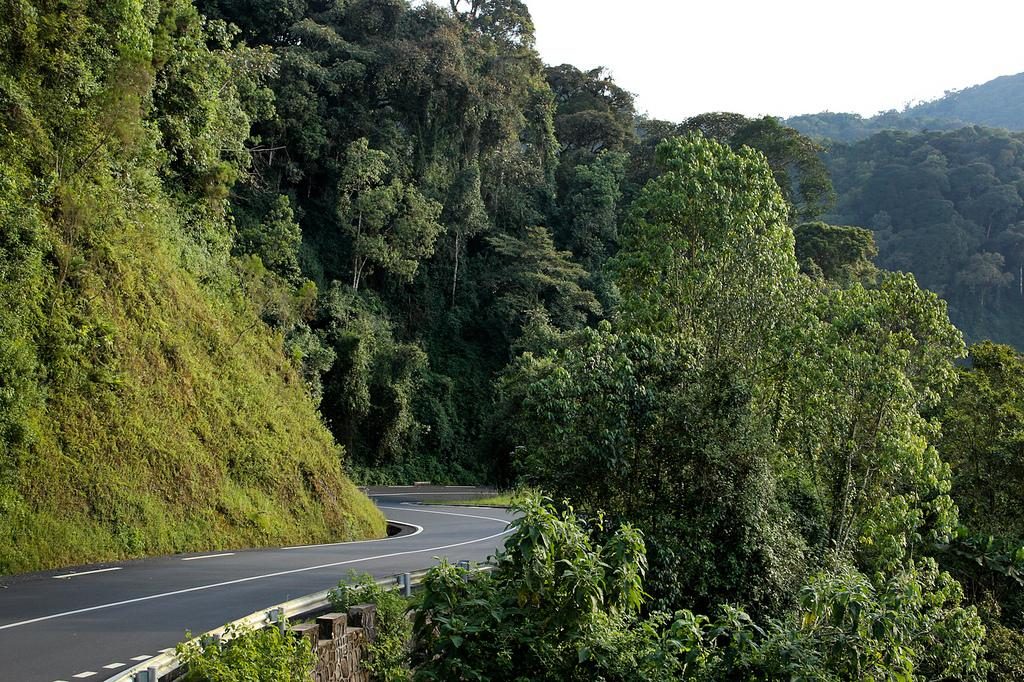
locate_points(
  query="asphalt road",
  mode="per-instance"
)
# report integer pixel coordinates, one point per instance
(86, 623)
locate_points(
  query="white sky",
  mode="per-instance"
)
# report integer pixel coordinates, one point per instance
(783, 57)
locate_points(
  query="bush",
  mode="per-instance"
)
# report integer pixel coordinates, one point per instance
(388, 655)
(246, 655)
(558, 607)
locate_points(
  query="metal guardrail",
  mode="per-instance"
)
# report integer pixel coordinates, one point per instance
(156, 668)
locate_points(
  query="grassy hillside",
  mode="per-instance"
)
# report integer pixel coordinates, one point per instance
(146, 406)
(200, 436)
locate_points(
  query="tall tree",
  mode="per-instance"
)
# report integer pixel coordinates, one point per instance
(707, 251)
(391, 224)
(539, 277)
(983, 440)
(795, 160)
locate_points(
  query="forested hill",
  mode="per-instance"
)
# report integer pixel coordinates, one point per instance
(999, 103)
(948, 207)
(145, 406)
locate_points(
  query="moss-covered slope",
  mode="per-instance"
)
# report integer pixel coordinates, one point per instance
(197, 434)
(146, 406)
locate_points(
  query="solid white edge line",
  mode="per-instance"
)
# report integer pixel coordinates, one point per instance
(419, 529)
(207, 556)
(237, 581)
(98, 570)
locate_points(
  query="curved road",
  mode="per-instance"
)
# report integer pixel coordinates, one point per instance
(86, 623)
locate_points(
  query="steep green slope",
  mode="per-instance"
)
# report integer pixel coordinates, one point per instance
(145, 407)
(200, 436)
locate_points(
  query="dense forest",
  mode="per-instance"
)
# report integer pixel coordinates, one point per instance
(939, 183)
(999, 103)
(250, 247)
(947, 207)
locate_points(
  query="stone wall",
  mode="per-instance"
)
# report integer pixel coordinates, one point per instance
(339, 640)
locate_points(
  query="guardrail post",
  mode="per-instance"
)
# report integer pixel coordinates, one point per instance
(150, 674)
(464, 565)
(405, 584)
(276, 615)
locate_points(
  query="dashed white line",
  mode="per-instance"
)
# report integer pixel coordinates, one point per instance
(83, 675)
(208, 556)
(98, 570)
(141, 658)
(111, 666)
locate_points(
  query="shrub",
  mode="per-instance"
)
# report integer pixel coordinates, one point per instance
(388, 655)
(246, 655)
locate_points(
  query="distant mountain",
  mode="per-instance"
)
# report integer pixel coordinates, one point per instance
(999, 103)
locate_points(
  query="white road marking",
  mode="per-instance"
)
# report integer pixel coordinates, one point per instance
(83, 675)
(419, 529)
(264, 576)
(141, 658)
(111, 666)
(412, 508)
(426, 493)
(208, 556)
(98, 570)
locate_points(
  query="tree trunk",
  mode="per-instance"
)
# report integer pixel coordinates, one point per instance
(356, 267)
(455, 273)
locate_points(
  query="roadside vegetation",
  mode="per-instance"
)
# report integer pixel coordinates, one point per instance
(388, 656)
(248, 655)
(561, 607)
